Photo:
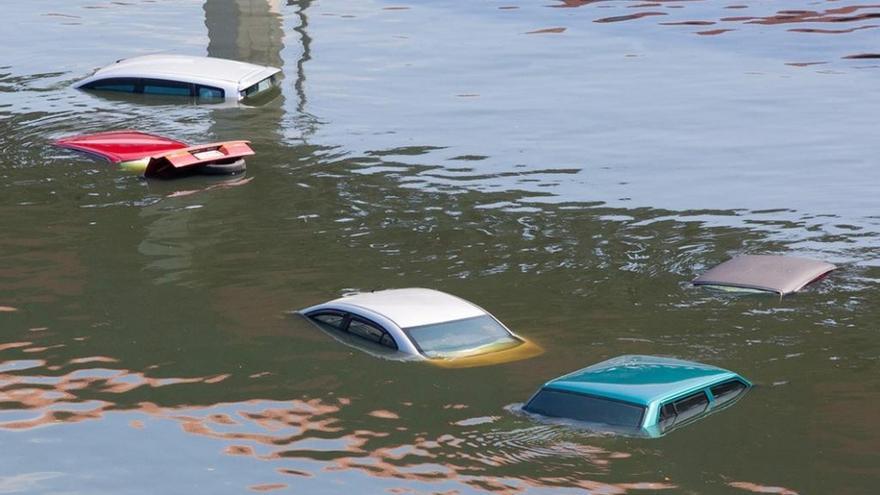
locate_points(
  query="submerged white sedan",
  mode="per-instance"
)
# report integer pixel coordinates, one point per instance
(421, 324)
(205, 78)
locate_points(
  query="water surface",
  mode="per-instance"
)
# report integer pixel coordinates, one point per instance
(568, 165)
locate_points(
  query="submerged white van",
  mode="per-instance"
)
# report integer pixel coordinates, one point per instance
(205, 78)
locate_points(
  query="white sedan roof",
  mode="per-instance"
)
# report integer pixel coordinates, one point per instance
(187, 68)
(412, 307)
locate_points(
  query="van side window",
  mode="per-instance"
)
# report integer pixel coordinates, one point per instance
(209, 92)
(727, 391)
(169, 88)
(371, 332)
(119, 84)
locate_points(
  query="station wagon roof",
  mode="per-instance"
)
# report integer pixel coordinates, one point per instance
(781, 274)
(641, 379)
(186, 67)
(412, 307)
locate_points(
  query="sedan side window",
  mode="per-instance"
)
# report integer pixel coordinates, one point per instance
(371, 332)
(335, 320)
(119, 84)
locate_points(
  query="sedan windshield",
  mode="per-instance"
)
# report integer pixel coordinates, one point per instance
(460, 336)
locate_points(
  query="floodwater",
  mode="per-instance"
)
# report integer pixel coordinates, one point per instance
(568, 165)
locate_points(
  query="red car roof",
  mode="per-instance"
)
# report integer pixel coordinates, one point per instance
(121, 146)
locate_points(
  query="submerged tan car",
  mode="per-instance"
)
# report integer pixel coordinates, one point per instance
(765, 273)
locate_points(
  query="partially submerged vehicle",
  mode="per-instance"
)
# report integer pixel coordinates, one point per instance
(765, 273)
(420, 324)
(638, 395)
(204, 78)
(161, 157)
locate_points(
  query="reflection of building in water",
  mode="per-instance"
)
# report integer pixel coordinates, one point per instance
(247, 30)
(253, 31)
(306, 55)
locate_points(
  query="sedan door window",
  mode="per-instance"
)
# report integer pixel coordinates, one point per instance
(371, 332)
(335, 320)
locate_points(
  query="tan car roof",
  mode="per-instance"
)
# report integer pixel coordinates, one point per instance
(781, 274)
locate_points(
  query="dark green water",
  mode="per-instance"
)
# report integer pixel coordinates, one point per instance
(571, 181)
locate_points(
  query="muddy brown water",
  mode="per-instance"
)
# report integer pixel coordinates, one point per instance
(569, 166)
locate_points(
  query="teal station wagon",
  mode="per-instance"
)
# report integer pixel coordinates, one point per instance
(641, 395)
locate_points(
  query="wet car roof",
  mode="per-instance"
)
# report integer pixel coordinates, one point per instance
(781, 274)
(640, 379)
(413, 307)
(121, 146)
(185, 66)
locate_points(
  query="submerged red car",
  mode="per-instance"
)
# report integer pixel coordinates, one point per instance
(162, 157)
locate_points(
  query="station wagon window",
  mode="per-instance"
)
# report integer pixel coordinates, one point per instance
(683, 409)
(667, 416)
(120, 84)
(169, 88)
(587, 408)
(728, 391)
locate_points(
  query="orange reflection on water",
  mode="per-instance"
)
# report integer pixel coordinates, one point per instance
(554, 30)
(756, 488)
(60, 399)
(315, 431)
(629, 17)
(267, 487)
(14, 345)
(837, 14)
(840, 14)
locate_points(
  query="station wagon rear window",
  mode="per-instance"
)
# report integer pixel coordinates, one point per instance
(460, 335)
(586, 408)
